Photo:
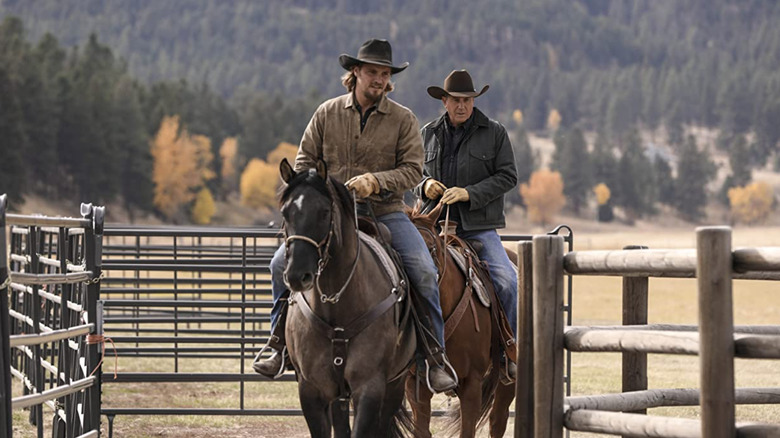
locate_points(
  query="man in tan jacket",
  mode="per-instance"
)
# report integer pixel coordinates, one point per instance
(373, 144)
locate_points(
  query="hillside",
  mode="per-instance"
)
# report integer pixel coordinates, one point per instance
(609, 86)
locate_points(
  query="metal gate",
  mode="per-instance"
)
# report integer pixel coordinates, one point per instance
(50, 324)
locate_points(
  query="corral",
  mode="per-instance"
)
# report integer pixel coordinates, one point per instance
(173, 298)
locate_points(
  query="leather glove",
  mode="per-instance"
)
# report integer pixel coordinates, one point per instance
(364, 185)
(455, 194)
(433, 189)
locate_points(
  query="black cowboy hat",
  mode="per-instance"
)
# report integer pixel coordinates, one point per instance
(373, 51)
(457, 84)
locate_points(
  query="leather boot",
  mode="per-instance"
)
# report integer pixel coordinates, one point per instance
(439, 379)
(273, 366)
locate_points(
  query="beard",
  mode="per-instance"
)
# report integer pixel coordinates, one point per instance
(373, 94)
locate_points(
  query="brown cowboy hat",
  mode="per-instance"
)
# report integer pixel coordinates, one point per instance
(373, 51)
(457, 84)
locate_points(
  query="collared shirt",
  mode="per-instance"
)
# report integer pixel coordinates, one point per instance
(363, 116)
(453, 138)
(390, 147)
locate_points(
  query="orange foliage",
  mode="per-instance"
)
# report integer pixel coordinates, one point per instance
(543, 195)
(258, 184)
(228, 152)
(182, 163)
(204, 207)
(602, 193)
(751, 204)
(283, 150)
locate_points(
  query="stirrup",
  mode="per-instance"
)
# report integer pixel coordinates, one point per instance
(446, 364)
(503, 372)
(283, 353)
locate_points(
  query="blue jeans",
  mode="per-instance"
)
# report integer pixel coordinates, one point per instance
(502, 271)
(417, 261)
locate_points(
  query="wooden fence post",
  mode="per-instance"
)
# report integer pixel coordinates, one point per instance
(548, 336)
(524, 389)
(716, 331)
(635, 313)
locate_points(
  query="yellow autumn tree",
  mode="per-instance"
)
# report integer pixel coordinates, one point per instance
(602, 193)
(182, 164)
(283, 150)
(752, 203)
(258, 184)
(517, 115)
(204, 207)
(543, 196)
(228, 153)
(553, 120)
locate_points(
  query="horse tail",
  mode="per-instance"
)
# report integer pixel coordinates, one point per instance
(402, 425)
(452, 418)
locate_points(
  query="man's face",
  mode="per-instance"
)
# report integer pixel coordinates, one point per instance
(371, 81)
(458, 108)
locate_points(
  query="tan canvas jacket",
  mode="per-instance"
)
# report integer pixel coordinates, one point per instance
(390, 147)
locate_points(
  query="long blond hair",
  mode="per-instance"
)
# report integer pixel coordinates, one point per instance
(349, 80)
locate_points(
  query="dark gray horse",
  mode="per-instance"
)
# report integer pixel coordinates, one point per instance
(346, 334)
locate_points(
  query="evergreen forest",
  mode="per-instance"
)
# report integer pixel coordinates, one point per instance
(86, 85)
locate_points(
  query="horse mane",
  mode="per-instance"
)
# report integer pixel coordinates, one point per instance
(313, 180)
(418, 217)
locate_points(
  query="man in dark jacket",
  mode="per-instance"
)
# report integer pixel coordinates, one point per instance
(469, 165)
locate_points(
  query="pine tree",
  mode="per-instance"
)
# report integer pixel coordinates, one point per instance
(12, 142)
(739, 161)
(572, 160)
(635, 190)
(129, 133)
(664, 180)
(694, 171)
(525, 163)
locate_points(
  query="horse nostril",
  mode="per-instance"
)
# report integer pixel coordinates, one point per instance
(306, 279)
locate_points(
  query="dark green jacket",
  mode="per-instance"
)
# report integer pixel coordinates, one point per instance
(486, 168)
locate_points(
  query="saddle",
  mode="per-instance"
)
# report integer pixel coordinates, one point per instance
(478, 279)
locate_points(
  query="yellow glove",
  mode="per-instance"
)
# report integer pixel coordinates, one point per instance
(364, 185)
(433, 189)
(455, 194)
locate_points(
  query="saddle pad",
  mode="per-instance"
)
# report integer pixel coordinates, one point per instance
(476, 283)
(383, 257)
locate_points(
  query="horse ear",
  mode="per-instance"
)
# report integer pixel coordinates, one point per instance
(322, 169)
(286, 170)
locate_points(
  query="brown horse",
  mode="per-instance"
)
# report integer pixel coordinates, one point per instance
(346, 334)
(473, 347)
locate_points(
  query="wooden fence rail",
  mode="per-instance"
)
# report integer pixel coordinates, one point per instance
(715, 340)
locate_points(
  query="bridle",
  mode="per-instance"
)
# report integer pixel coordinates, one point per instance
(323, 251)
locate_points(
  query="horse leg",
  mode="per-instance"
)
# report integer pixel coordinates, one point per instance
(368, 407)
(339, 413)
(470, 395)
(315, 410)
(420, 402)
(392, 404)
(499, 415)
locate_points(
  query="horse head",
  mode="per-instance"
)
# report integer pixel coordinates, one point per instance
(306, 207)
(312, 206)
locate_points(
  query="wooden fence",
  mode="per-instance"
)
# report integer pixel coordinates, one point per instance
(715, 340)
